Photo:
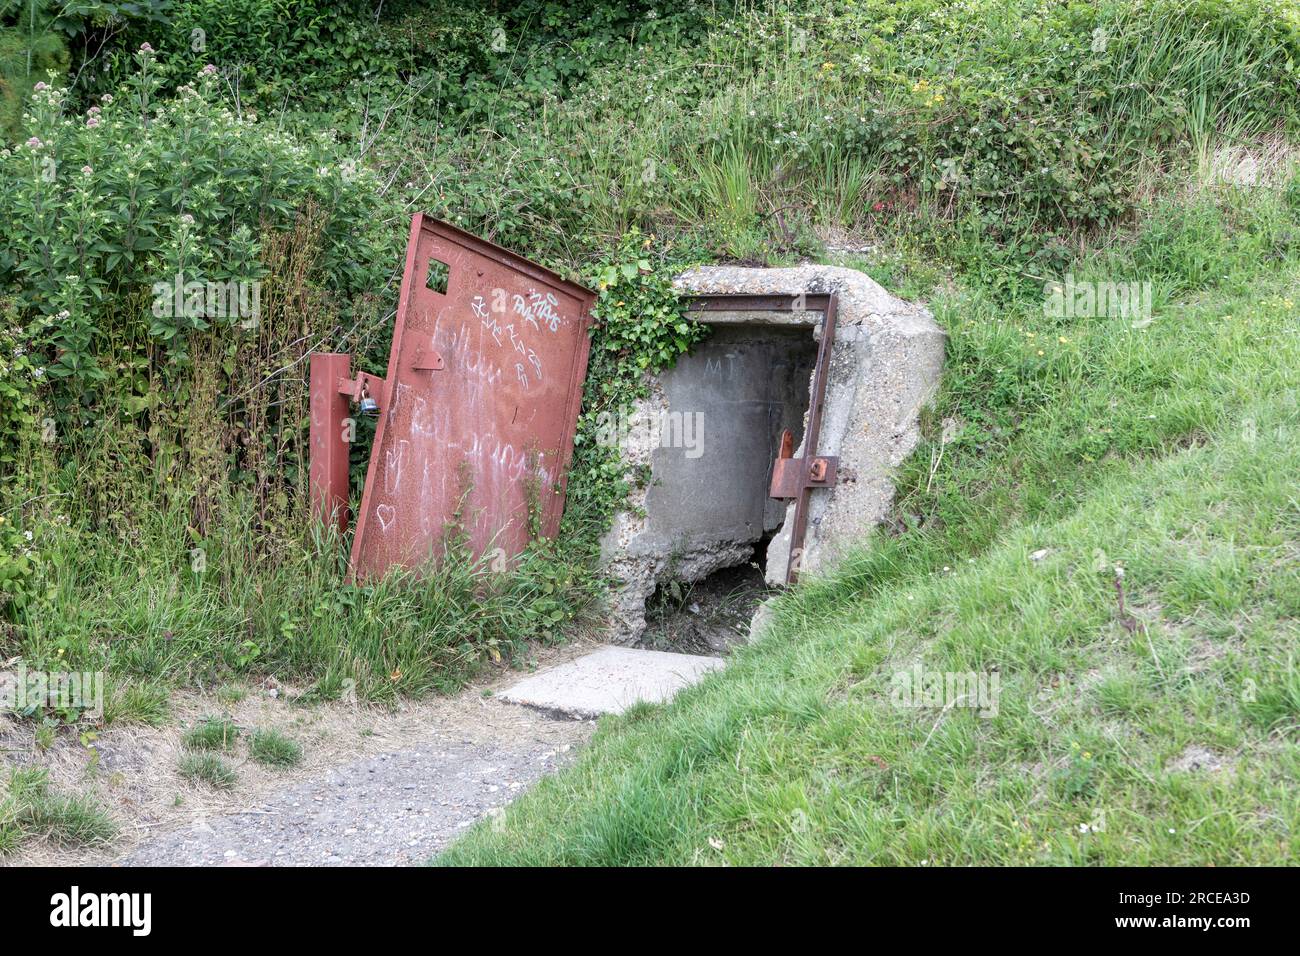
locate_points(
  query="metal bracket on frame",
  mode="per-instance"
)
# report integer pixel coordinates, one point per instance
(792, 475)
(369, 392)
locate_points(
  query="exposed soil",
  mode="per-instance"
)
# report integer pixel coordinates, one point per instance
(1196, 758)
(708, 616)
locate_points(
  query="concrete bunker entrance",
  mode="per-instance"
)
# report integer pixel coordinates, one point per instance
(705, 506)
(724, 408)
(738, 390)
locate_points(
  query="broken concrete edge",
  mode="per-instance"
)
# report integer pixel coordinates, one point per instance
(762, 620)
(885, 366)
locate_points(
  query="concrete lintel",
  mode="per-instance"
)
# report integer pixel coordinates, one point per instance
(757, 317)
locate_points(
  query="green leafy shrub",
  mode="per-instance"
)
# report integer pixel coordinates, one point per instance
(120, 205)
(20, 379)
(484, 59)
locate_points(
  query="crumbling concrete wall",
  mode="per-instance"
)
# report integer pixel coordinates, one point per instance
(708, 434)
(700, 514)
(729, 401)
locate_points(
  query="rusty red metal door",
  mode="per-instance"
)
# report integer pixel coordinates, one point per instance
(480, 404)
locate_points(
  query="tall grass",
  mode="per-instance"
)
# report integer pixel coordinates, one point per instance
(30, 808)
(145, 607)
(1032, 117)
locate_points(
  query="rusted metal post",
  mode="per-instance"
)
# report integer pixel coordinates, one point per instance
(812, 434)
(329, 437)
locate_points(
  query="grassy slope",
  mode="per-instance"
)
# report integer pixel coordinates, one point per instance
(699, 132)
(1171, 450)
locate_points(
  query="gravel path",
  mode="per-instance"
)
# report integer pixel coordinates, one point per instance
(391, 809)
(377, 786)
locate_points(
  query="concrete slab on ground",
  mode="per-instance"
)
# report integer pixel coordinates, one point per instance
(610, 680)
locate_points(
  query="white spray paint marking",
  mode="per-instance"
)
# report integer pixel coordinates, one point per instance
(394, 462)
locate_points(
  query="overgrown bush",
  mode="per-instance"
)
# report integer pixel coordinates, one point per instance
(988, 130)
(140, 194)
(171, 263)
(491, 61)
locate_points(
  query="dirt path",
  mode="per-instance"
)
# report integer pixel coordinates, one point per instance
(376, 787)
(389, 809)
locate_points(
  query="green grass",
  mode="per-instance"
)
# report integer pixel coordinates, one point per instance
(212, 733)
(71, 820)
(1025, 118)
(140, 702)
(209, 770)
(281, 606)
(29, 808)
(232, 693)
(274, 749)
(1169, 451)
(981, 145)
